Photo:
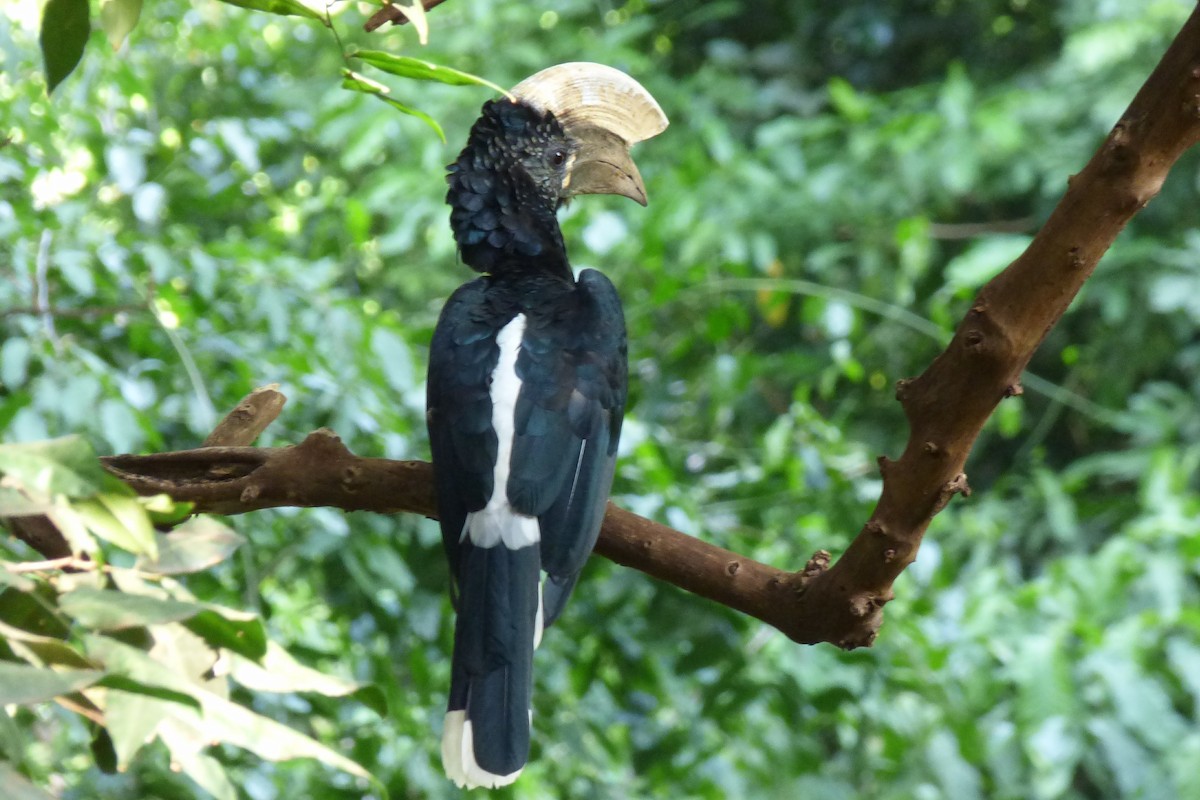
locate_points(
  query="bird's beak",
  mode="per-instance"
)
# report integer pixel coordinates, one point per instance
(606, 112)
(603, 165)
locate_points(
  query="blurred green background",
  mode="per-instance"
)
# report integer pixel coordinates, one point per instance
(208, 211)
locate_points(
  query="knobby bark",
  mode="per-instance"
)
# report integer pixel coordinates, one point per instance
(946, 407)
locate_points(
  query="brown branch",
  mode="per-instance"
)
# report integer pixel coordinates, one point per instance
(946, 407)
(948, 404)
(321, 471)
(394, 15)
(251, 417)
(39, 533)
(241, 426)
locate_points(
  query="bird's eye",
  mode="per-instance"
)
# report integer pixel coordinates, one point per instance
(557, 157)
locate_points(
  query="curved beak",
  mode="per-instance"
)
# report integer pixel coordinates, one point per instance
(603, 165)
(605, 111)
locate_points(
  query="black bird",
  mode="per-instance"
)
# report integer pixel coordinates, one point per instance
(526, 391)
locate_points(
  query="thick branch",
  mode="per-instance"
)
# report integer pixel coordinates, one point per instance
(321, 471)
(241, 426)
(948, 404)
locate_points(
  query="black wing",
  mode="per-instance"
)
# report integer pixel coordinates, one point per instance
(573, 371)
(462, 356)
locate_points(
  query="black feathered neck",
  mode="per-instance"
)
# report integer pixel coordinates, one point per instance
(505, 188)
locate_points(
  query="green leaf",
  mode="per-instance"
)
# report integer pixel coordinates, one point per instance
(134, 519)
(243, 636)
(417, 69)
(186, 747)
(107, 609)
(132, 718)
(126, 684)
(848, 102)
(57, 466)
(101, 521)
(65, 29)
(33, 611)
(164, 510)
(222, 720)
(42, 650)
(980, 262)
(16, 580)
(359, 83)
(21, 684)
(72, 526)
(118, 18)
(283, 7)
(15, 503)
(103, 751)
(278, 671)
(198, 544)
(412, 112)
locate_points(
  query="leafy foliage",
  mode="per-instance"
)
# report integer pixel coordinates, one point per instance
(207, 210)
(129, 649)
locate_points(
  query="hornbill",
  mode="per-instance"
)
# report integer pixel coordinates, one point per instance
(526, 391)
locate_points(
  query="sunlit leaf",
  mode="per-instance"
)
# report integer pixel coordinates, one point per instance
(198, 544)
(421, 115)
(361, 83)
(243, 636)
(16, 580)
(42, 650)
(415, 13)
(133, 518)
(65, 29)
(187, 744)
(101, 522)
(126, 684)
(118, 18)
(418, 69)
(57, 466)
(224, 721)
(21, 684)
(107, 609)
(15, 503)
(284, 7)
(280, 672)
(166, 511)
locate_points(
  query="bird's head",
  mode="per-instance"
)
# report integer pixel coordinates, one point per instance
(563, 132)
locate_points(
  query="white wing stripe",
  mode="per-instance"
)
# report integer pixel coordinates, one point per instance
(497, 522)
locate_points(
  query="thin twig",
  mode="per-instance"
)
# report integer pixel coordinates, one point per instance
(53, 564)
(41, 287)
(71, 313)
(248, 419)
(394, 15)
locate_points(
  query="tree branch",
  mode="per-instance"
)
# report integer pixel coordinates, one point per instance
(948, 404)
(394, 15)
(946, 407)
(241, 426)
(251, 417)
(321, 471)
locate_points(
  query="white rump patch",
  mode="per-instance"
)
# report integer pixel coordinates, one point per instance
(497, 522)
(458, 756)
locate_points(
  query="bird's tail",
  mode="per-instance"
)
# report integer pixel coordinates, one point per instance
(486, 736)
